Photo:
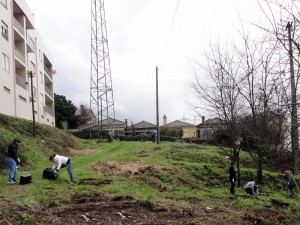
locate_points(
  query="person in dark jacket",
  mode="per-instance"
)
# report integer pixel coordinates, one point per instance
(231, 171)
(12, 159)
(153, 135)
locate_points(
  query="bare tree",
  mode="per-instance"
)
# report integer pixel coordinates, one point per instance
(217, 87)
(284, 25)
(243, 92)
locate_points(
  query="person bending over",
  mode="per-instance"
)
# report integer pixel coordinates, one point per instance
(61, 162)
(251, 188)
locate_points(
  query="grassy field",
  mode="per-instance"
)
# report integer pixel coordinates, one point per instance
(175, 174)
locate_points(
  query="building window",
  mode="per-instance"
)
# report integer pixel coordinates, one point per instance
(4, 30)
(5, 63)
(4, 3)
(6, 89)
(22, 98)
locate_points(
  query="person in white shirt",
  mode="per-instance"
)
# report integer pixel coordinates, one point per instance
(61, 162)
(251, 188)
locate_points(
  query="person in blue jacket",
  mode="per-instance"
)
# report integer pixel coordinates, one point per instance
(153, 135)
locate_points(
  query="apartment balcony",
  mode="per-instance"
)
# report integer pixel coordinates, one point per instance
(19, 27)
(21, 82)
(48, 72)
(20, 55)
(49, 91)
(49, 111)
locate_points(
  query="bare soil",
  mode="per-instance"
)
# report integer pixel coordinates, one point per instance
(100, 209)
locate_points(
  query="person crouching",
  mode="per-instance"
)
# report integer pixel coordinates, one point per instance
(61, 162)
(251, 188)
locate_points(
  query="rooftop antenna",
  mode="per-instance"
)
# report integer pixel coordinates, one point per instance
(101, 92)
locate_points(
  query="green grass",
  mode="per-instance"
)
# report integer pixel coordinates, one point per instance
(180, 173)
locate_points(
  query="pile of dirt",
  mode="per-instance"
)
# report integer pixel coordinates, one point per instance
(117, 168)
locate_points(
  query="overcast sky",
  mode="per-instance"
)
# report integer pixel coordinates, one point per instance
(141, 36)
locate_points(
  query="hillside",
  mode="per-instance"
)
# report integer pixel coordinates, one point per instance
(134, 183)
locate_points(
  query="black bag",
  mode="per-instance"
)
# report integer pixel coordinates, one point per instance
(25, 179)
(49, 174)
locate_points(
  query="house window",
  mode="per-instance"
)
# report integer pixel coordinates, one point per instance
(5, 62)
(4, 30)
(4, 3)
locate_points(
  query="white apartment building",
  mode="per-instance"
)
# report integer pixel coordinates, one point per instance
(22, 51)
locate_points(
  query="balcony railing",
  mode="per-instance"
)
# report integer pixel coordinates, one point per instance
(48, 72)
(20, 55)
(19, 27)
(21, 82)
(49, 111)
(49, 91)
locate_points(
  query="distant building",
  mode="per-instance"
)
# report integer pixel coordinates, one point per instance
(113, 126)
(22, 51)
(85, 115)
(189, 130)
(206, 130)
(140, 128)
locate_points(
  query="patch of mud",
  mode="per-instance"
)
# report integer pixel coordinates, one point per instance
(264, 217)
(142, 154)
(116, 168)
(94, 182)
(100, 209)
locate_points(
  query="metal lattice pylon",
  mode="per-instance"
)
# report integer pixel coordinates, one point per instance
(101, 91)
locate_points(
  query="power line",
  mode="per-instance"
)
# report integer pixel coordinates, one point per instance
(165, 44)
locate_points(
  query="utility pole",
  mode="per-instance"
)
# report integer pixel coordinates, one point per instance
(157, 109)
(294, 119)
(32, 104)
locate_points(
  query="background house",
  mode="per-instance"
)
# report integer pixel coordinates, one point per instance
(189, 130)
(206, 130)
(140, 128)
(112, 126)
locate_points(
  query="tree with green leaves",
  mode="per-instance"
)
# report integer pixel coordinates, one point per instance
(64, 111)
